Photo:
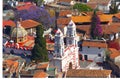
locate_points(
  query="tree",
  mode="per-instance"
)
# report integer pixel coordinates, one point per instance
(114, 7)
(107, 53)
(96, 29)
(39, 52)
(82, 7)
(38, 14)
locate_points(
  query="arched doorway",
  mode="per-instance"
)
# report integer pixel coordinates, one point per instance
(70, 65)
(80, 57)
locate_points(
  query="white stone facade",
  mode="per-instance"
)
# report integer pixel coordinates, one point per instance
(92, 54)
(66, 55)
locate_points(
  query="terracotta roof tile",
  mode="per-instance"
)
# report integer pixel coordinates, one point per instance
(110, 29)
(103, 2)
(40, 74)
(42, 66)
(82, 19)
(64, 13)
(9, 23)
(98, 13)
(29, 23)
(63, 21)
(82, 73)
(61, 26)
(12, 65)
(94, 44)
(107, 29)
(114, 53)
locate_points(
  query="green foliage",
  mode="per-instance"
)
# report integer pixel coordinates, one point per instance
(107, 53)
(39, 52)
(82, 7)
(39, 2)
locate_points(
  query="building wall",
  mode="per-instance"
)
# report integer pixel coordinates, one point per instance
(104, 8)
(117, 59)
(31, 31)
(48, 1)
(92, 53)
(111, 37)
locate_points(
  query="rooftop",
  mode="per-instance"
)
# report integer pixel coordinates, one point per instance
(103, 2)
(29, 23)
(9, 23)
(63, 21)
(82, 73)
(107, 29)
(42, 66)
(83, 19)
(64, 13)
(114, 53)
(25, 24)
(94, 44)
(40, 74)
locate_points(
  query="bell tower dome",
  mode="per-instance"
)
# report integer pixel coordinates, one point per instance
(71, 34)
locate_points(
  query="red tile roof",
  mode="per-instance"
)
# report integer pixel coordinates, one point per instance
(12, 65)
(94, 44)
(40, 74)
(103, 2)
(29, 23)
(63, 21)
(9, 23)
(114, 53)
(83, 19)
(64, 13)
(25, 24)
(85, 73)
(42, 66)
(107, 29)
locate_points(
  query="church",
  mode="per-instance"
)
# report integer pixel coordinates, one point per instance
(66, 49)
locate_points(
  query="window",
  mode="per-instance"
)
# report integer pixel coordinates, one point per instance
(99, 55)
(88, 46)
(99, 47)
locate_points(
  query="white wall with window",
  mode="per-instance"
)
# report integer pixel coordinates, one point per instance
(93, 53)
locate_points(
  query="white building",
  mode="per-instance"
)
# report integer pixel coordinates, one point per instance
(48, 1)
(102, 5)
(66, 53)
(93, 51)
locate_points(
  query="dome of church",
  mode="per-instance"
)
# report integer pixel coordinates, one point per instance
(59, 33)
(71, 24)
(18, 31)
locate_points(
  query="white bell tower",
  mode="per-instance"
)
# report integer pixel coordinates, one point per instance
(71, 34)
(59, 44)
